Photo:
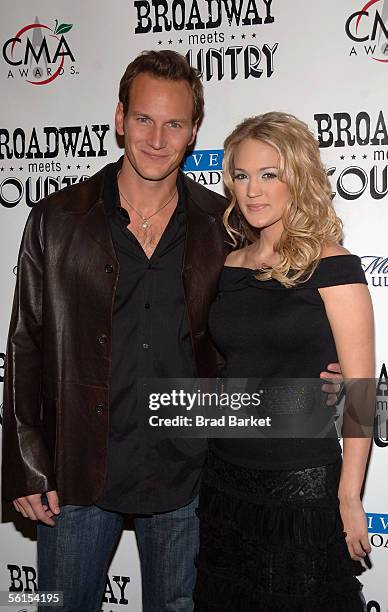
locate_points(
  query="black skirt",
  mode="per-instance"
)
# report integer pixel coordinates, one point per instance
(272, 541)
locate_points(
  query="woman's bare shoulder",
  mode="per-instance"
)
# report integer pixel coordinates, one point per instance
(236, 258)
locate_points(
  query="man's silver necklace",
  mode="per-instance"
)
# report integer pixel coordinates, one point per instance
(145, 220)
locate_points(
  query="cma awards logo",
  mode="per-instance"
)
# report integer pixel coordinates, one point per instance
(219, 38)
(368, 28)
(359, 144)
(38, 53)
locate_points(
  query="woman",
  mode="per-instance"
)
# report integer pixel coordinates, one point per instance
(281, 519)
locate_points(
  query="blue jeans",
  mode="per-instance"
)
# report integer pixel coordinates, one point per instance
(74, 557)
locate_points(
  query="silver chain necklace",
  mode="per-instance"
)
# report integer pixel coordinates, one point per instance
(145, 220)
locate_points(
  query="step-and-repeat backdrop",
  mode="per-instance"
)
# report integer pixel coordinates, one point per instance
(326, 62)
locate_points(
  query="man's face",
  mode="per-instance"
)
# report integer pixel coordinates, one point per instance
(158, 126)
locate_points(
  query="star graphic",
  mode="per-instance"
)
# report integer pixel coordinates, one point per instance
(342, 157)
(78, 167)
(11, 169)
(170, 42)
(233, 37)
(353, 157)
(20, 168)
(88, 167)
(68, 167)
(364, 156)
(254, 35)
(180, 41)
(2, 169)
(159, 42)
(242, 35)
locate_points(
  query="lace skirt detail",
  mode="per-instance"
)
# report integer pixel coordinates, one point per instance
(272, 541)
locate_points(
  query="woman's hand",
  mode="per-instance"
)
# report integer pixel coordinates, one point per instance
(355, 528)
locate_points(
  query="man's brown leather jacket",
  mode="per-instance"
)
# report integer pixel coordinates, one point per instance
(56, 392)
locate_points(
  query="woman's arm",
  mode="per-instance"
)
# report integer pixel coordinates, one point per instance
(350, 313)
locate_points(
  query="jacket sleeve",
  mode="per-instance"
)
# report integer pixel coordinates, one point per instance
(26, 466)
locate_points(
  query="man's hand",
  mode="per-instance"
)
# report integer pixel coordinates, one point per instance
(31, 507)
(333, 387)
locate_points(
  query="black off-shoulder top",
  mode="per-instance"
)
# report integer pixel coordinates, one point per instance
(265, 330)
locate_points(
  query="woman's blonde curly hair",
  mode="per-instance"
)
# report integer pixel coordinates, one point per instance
(309, 219)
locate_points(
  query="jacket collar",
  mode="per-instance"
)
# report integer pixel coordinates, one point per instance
(208, 201)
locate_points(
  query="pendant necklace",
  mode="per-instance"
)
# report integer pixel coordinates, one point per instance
(145, 220)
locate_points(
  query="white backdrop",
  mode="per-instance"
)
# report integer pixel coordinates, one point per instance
(326, 62)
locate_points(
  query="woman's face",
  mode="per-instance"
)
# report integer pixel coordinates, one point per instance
(261, 196)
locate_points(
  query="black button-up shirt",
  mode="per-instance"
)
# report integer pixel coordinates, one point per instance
(151, 339)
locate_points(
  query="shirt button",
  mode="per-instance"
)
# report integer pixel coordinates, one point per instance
(146, 346)
(99, 408)
(102, 339)
(147, 305)
(109, 268)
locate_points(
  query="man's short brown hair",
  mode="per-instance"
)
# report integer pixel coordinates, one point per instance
(164, 64)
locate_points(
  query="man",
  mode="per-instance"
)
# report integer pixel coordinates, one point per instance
(115, 279)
